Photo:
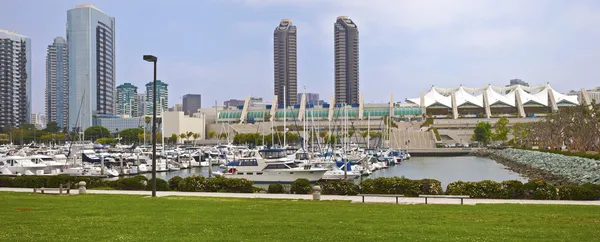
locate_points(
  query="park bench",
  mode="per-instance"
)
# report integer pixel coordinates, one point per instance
(380, 195)
(60, 189)
(461, 197)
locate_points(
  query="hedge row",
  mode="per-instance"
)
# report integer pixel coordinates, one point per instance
(215, 184)
(131, 183)
(534, 189)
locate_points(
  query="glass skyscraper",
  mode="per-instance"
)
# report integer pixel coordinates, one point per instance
(346, 61)
(15, 79)
(91, 44)
(57, 82)
(162, 91)
(126, 100)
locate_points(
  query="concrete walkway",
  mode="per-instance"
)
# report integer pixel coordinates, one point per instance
(354, 199)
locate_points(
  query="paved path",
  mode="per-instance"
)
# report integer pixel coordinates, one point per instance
(355, 199)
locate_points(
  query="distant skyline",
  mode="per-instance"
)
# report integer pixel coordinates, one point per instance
(223, 49)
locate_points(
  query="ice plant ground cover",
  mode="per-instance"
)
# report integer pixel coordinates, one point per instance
(577, 169)
(34, 217)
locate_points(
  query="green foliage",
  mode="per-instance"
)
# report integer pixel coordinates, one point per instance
(511, 189)
(431, 187)
(215, 184)
(27, 126)
(501, 129)
(437, 135)
(132, 183)
(212, 134)
(96, 132)
(539, 190)
(174, 182)
(392, 185)
(339, 187)
(301, 186)
(482, 132)
(131, 135)
(428, 122)
(52, 127)
(106, 141)
(578, 193)
(161, 185)
(192, 184)
(275, 188)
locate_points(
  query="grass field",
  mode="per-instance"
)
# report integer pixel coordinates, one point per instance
(29, 217)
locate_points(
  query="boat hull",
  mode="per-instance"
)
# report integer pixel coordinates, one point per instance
(279, 176)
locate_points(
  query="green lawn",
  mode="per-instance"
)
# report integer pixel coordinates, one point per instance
(27, 217)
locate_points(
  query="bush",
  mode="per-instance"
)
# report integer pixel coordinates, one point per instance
(161, 185)
(55, 181)
(6, 181)
(239, 185)
(511, 189)
(133, 183)
(301, 186)
(31, 181)
(393, 185)
(215, 184)
(341, 187)
(539, 190)
(578, 193)
(431, 187)
(483, 189)
(174, 182)
(457, 188)
(275, 188)
(258, 190)
(192, 184)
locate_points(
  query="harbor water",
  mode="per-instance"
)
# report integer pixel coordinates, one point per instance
(444, 169)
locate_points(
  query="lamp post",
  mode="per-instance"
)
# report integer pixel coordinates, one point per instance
(151, 58)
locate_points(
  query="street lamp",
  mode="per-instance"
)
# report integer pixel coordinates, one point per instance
(151, 58)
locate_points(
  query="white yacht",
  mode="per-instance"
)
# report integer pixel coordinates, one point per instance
(49, 161)
(20, 165)
(271, 166)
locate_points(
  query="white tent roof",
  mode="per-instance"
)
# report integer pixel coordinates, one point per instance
(463, 97)
(495, 98)
(432, 97)
(559, 97)
(540, 98)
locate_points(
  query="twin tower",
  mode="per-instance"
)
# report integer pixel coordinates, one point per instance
(346, 62)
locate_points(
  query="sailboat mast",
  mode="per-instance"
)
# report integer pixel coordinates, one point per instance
(284, 116)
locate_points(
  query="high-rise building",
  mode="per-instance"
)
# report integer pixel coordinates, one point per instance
(140, 99)
(233, 103)
(191, 103)
(285, 62)
(177, 108)
(57, 82)
(126, 103)
(162, 100)
(311, 98)
(518, 82)
(15, 79)
(91, 44)
(38, 120)
(346, 61)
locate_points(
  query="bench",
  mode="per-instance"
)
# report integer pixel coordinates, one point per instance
(60, 189)
(461, 197)
(380, 195)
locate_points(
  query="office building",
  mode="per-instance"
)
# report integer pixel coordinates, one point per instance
(126, 103)
(191, 103)
(177, 108)
(91, 47)
(15, 79)
(285, 62)
(593, 94)
(38, 120)
(140, 99)
(57, 82)
(346, 61)
(162, 100)
(311, 98)
(233, 103)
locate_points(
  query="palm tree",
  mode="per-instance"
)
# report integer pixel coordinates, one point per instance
(189, 135)
(212, 134)
(147, 119)
(182, 136)
(196, 136)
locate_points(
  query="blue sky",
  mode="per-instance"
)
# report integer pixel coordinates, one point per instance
(223, 48)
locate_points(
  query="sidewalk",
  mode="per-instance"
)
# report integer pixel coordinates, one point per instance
(354, 199)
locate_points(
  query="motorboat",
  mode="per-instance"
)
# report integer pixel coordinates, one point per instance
(20, 165)
(271, 166)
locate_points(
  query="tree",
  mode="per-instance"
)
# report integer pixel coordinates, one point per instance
(501, 129)
(183, 136)
(189, 135)
(106, 141)
(364, 135)
(482, 132)
(173, 139)
(96, 132)
(212, 134)
(27, 126)
(130, 135)
(52, 127)
(196, 136)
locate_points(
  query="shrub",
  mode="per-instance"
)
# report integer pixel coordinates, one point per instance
(215, 184)
(239, 185)
(511, 189)
(402, 185)
(431, 187)
(161, 185)
(275, 188)
(457, 188)
(55, 181)
(132, 183)
(192, 184)
(258, 190)
(341, 187)
(380, 185)
(539, 190)
(30, 181)
(483, 189)
(141, 178)
(6, 181)
(301, 186)
(174, 182)
(578, 193)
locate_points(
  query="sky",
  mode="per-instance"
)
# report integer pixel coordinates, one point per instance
(223, 49)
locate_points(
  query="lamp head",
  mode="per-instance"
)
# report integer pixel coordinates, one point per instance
(150, 58)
